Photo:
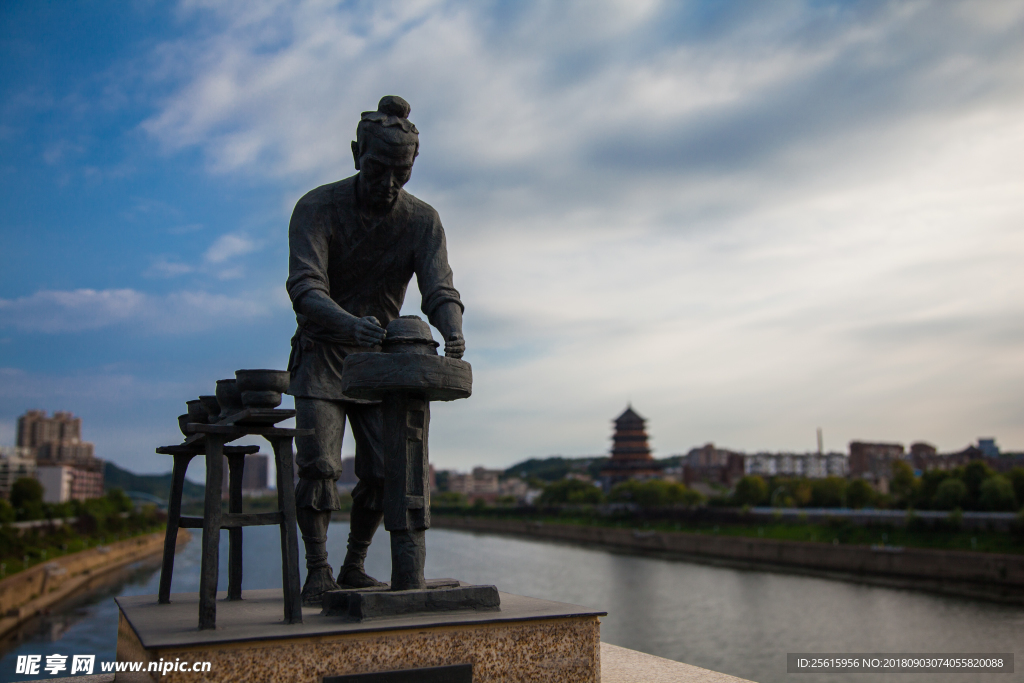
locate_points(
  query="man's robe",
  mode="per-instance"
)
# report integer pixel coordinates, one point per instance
(364, 264)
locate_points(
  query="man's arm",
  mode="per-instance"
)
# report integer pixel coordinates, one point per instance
(448, 319)
(322, 310)
(308, 283)
(440, 298)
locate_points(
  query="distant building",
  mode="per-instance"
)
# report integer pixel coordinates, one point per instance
(712, 465)
(35, 430)
(631, 455)
(15, 463)
(481, 483)
(873, 462)
(255, 473)
(255, 476)
(924, 457)
(515, 487)
(988, 447)
(57, 442)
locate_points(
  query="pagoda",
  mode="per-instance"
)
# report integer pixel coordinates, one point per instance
(631, 456)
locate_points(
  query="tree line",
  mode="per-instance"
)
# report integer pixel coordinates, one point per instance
(974, 486)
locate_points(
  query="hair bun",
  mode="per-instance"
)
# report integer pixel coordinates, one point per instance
(393, 105)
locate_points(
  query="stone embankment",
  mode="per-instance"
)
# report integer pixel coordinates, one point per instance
(36, 589)
(974, 574)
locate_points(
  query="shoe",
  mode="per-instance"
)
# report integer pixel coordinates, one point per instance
(318, 582)
(353, 576)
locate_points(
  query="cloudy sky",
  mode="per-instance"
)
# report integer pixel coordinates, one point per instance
(748, 219)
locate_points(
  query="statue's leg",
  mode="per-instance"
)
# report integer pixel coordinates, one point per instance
(316, 495)
(368, 496)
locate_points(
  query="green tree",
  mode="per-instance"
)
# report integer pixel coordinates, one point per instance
(828, 492)
(903, 485)
(26, 491)
(655, 493)
(1016, 477)
(974, 473)
(928, 487)
(751, 490)
(7, 513)
(952, 493)
(570, 491)
(996, 494)
(448, 499)
(119, 500)
(859, 493)
(27, 499)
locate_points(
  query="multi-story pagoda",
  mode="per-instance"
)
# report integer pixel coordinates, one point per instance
(631, 456)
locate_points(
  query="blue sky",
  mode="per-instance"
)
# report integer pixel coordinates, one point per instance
(749, 219)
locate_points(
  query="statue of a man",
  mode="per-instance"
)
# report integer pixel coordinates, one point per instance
(354, 246)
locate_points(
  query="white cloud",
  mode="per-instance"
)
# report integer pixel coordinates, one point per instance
(88, 309)
(227, 247)
(752, 222)
(165, 268)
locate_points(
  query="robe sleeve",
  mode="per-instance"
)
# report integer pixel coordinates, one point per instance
(309, 238)
(430, 261)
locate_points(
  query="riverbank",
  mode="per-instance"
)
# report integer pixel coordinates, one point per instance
(991, 576)
(34, 590)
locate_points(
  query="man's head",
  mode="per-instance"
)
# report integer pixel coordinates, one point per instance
(386, 146)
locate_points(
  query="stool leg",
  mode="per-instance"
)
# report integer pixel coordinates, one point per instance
(211, 532)
(289, 533)
(236, 463)
(173, 518)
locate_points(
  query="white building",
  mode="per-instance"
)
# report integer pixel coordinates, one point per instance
(57, 481)
(810, 465)
(15, 463)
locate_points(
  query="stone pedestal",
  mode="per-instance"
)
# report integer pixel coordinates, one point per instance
(525, 640)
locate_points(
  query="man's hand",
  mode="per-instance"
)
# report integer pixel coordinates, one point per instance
(454, 345)
(366, 331)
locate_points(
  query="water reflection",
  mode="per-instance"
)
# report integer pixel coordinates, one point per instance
(741, 622)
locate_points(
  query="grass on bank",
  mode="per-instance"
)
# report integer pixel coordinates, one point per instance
(99, 521)
(941, 536)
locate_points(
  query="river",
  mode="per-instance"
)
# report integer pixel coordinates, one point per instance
(738, 621)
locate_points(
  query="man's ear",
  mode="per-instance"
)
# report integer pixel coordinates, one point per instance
(355, 153)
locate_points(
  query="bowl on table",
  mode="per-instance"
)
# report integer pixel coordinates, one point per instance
(262, 388)
(183, 421)
(212, 407)
(196, 412)
(229, 398)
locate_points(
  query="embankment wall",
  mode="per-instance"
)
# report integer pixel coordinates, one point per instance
(34, 590)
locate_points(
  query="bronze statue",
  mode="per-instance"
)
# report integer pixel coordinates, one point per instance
(354, 246)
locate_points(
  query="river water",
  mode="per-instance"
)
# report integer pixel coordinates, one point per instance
(738, 621)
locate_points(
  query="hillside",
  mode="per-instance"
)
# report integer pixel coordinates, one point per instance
(555, 467)
(158, 485)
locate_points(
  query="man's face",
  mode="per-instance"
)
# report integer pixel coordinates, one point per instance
(383, 170)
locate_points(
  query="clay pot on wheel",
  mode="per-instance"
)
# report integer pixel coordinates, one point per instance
(262, 388)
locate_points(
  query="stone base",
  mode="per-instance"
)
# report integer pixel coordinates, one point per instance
(445, 595)
(525, 640)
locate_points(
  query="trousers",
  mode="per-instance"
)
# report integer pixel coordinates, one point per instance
(318, 457)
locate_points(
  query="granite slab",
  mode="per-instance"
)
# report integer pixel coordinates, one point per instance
(258, 616)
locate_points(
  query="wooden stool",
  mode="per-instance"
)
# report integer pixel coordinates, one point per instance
(210, 440)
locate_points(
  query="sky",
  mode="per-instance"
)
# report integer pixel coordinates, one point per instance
(748, 220)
